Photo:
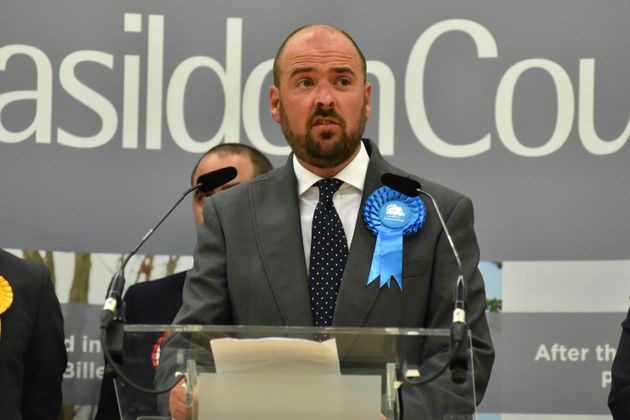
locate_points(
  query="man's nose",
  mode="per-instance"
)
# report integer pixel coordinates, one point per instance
(325, 96)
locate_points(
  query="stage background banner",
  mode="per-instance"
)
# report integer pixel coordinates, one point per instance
(523, 106)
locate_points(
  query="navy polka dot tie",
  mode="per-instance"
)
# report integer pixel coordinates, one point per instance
(329, 251)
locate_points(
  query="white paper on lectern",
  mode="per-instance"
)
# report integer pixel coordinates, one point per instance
(278, 355)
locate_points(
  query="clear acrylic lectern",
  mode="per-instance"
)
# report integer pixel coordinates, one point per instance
(258, 372)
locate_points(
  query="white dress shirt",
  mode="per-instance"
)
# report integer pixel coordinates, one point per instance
(347, 199)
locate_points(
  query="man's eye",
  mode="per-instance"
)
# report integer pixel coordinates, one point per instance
(305, 83)
(344, 82)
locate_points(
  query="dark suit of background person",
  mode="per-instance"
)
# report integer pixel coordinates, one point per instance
(249, 265)
(32, 351)
(157, 301)
(619, 397)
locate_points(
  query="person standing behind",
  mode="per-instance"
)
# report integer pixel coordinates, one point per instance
(33, 355)
(157, 301)
(619, 396)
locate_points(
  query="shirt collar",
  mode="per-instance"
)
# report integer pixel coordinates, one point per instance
(353, 174)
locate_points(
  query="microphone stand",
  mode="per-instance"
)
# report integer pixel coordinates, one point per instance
(458, 357)
(112, 315)
(458, 362)
(114, 304)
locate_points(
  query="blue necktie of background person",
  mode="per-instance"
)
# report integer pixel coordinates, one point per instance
(329, 251)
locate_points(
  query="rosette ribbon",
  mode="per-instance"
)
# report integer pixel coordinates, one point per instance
(390, 215)
(6, 298)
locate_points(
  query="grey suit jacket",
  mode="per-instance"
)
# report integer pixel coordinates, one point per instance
(249, 267)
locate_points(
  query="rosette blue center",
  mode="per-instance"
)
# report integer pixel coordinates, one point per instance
(391, 215)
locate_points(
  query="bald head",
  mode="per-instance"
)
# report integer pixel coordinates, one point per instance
(277, 62)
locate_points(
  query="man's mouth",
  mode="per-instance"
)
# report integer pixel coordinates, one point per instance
(324, 121)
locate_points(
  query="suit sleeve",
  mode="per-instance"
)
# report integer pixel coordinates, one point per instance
(619, 397)
(46, 358)
(131, 303)
(442, 396)
(205, 294)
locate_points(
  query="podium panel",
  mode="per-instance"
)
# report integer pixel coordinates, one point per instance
(282, 396)
(260, 372)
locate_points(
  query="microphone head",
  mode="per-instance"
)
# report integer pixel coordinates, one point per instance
(402, 184)
(211, 180)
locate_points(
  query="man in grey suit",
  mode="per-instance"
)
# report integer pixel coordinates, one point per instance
(253, 253)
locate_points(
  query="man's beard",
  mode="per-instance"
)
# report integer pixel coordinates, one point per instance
(310, 151)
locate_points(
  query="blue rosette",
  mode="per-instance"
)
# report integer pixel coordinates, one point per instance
(390, 215)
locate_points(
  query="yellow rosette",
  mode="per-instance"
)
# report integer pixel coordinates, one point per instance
(6, 298)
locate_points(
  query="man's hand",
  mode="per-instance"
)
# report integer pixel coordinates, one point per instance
(180, 410)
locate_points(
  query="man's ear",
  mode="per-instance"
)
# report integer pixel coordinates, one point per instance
(274, 103)
(368, 100)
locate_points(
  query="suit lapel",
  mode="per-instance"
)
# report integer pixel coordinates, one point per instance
(279, 237)
(355, 297)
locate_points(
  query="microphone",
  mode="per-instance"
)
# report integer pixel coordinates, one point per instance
(458, 362)
(211, 180)
(205, 183)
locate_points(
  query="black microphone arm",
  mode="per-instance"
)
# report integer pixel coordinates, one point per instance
(111, 332)
(458, 361)
(205, 183)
